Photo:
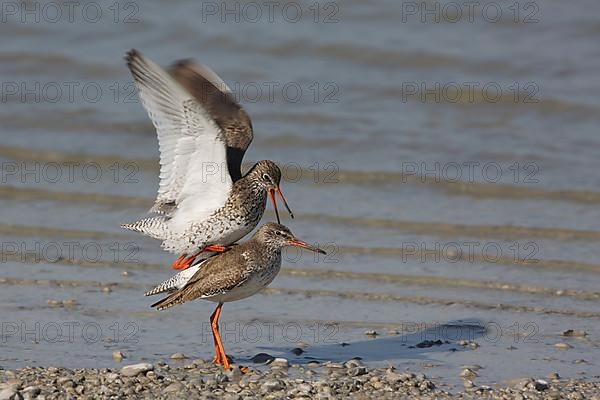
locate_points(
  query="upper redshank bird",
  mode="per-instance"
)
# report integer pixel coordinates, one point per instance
(203, 133)
(236, 274)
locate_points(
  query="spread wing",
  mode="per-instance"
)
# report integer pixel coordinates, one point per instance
(216, 97)
(194, 174)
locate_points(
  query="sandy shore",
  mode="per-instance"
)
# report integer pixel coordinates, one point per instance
(199, 379)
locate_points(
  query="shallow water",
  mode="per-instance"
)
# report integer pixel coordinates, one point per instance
(472, 218)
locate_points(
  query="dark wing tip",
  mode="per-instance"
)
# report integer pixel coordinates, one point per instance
(131, 56)
(184, 63)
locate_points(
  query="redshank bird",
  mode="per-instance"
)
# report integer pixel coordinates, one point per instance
(236, 274)
(206, 204)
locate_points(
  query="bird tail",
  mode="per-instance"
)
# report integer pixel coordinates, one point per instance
(171, 300)
(175, 282)
(155, 227)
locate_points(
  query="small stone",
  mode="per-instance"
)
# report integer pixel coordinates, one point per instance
(357, 371)
(221, 377)
(574, 333)
(178, 356)
(541, 385)
(70, 302)
(8, 393)
(234, 374)
(136, 369)
(304, 388)
(262, 358)
(353, 363)
(111, 377)
(66, 382)
(125, 273)
(117, 355)
(297, 351)
(106, 289)
(271, 385)
(429, 343)
(371, 333)
(468, 384)
(563, 346)
(174, 387)
(279, 362)
(32, 391)
(54, 303)
(468, 373)
(553, 376)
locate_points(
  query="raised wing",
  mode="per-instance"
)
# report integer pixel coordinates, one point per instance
(216, 97)
(193, 154)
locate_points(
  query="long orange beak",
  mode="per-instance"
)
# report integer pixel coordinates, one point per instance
(304, 245)
(272, 196)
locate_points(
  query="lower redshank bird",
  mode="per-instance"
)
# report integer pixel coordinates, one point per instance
(203, 208)
(236, 274)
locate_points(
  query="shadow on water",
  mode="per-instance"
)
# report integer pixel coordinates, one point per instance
(412, 341)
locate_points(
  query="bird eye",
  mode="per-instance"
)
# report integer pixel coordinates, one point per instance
(266, 177)
(278, 233)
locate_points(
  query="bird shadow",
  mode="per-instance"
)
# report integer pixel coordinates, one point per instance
(411, 340)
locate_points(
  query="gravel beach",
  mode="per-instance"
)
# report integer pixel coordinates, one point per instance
(200, 379)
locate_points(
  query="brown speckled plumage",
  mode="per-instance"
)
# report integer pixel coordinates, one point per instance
(238, 273)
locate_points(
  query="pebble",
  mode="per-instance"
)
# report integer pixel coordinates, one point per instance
(574, 333)
(136, 369)
(279, 362)
(563, 346)
(297, 351)
(349, 380)
(371, 333)
(468, 373)
(8, 393)
(271, 386)
(175, 387)
(178, 356)
(541, 385)
(553, 376)
(117, 355)
(262, 358)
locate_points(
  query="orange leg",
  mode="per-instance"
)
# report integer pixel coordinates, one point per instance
(216, 248)
(215, 327)
(184, 262)
(177, 262)
(219, 344)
